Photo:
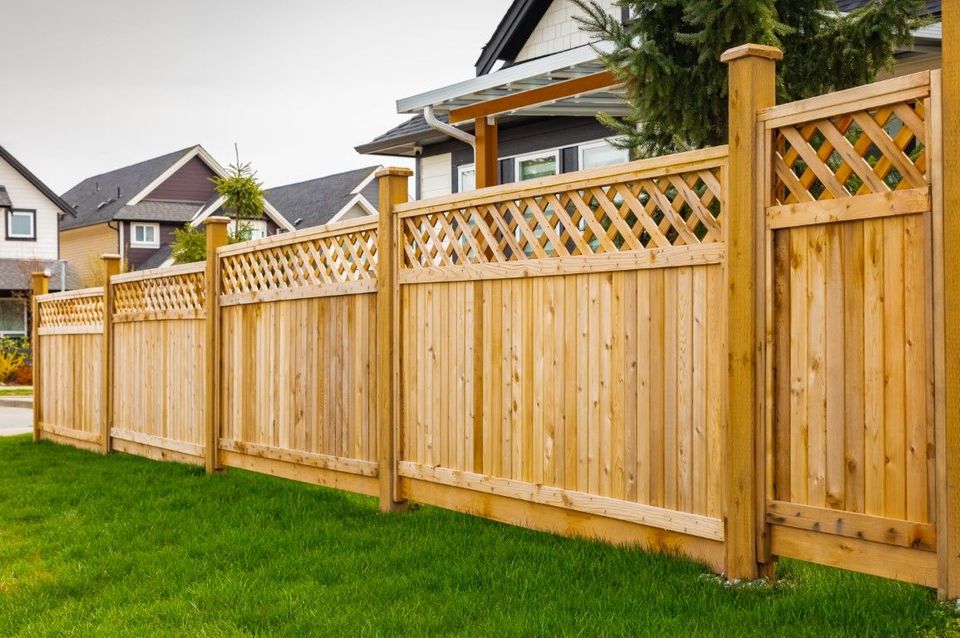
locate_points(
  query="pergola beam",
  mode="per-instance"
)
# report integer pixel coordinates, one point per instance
(534, 97)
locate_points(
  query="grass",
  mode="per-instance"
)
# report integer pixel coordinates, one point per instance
(120, 545)
(16, 391)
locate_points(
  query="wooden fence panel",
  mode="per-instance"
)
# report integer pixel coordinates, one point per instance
(71, 359)
(298, 349)
(159, 385)
(849, 218)
(563, 344)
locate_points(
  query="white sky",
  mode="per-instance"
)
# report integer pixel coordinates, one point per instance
(92, 85)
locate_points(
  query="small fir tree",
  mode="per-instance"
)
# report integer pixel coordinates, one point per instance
(243, 200)
(668, 57)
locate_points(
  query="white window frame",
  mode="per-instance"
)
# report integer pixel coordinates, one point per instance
(29, 212)
(464, 168)
(554, 153)
(597, 144)
(144, 244)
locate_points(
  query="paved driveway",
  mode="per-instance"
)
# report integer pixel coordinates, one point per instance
(15, 421)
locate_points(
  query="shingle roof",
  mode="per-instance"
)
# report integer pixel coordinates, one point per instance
(15, 274)
(933, 6)
(159, 211)
(156, 260)
(95, 199)
(4, 197)
(316, 201)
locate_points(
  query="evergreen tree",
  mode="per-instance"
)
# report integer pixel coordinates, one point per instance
(668, 57)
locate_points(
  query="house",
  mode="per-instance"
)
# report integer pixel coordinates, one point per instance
(530, 109)
(328, 199)
(30, 212)
(133, 211)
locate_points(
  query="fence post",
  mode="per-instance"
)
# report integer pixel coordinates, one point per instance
(393, 191)
(948, 465)
(752, 78)
(111, 267)
(216, 231)
(41, 286)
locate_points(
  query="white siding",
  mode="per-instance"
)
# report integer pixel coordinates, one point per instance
(557, 30)
(23, 194)
(435, 175)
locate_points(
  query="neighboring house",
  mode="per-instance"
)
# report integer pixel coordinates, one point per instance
(536, 45)
(133, 211)
(29, 212)
(328, 199)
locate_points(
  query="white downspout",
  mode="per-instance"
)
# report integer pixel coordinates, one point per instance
(448, 129)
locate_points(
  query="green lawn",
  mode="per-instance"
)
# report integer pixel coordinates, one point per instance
(125, 546)
(16, 391)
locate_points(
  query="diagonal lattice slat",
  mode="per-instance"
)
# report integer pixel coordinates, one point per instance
(176, 294)
(618, 215)
(865, 152)
(348, 257)
(86, 310)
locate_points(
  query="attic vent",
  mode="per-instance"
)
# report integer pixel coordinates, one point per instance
(97, 186)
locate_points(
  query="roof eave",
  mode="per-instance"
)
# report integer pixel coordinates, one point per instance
(37, 182)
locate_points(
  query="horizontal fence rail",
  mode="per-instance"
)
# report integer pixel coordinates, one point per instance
(735, 353)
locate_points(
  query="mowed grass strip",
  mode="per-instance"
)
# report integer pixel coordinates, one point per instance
(124, 546)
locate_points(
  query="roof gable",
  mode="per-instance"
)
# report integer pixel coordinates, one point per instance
(511, 34)
(97, 199)
(317, 201)
(55, 199)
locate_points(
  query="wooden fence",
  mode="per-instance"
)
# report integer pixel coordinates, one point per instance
(735, 353)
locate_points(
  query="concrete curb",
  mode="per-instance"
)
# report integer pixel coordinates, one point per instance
(16, 402)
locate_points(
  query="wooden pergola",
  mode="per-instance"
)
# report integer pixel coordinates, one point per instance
(571, 83)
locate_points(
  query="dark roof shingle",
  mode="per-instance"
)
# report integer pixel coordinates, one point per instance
(4, 197)
(96, 199)
(159, 211)
(316, 201)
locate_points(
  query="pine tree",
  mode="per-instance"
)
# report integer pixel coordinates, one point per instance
(668, 57)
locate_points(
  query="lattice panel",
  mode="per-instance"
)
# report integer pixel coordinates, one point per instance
(72, 311)
(342, 258)
(178, 294)
(626, 215)
(860, 153)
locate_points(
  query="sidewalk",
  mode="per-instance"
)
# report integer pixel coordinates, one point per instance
(16, 420)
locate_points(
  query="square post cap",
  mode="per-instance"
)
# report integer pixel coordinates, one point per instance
(752, 51)
(216, 219)
(394, 171)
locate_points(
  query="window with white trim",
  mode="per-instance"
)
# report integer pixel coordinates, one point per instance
(13, 317)
(250, 229)
(466, 178)
(538, 165)
(602, 153)
(21, 224)
(144, 235)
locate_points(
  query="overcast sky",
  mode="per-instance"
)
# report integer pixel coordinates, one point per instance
(92, 85)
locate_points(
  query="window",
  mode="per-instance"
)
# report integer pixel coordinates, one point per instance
(466, 178)
(602, 153)
(13, 317)
(21, 224)
(539, 165)
(145, 236)
(250, 229)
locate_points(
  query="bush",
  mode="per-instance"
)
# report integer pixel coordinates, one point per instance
(23, 376)
(10, 362)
